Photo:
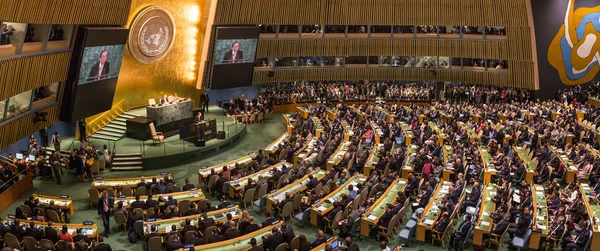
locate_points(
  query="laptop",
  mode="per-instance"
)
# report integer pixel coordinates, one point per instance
(19, 155)
(335, 244)
(31, 158)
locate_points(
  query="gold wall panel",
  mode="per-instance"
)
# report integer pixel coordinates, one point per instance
(100, 12)
(176, 72)
(32, 71)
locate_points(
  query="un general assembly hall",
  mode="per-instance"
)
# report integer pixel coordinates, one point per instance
(299, 125)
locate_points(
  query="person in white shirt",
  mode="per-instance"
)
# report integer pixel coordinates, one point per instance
(384, 246)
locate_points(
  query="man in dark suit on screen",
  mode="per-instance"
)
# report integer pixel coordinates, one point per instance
(100, 70)
(235, 55)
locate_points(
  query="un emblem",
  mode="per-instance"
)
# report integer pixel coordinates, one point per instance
(151, 34)
(575, 50)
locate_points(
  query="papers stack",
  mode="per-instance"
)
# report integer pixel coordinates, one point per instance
(372, 217)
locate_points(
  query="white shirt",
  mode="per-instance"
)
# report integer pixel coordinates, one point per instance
(233, 55)
(100, 69)
(385, 249)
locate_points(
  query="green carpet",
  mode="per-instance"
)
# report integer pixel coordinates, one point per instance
(258, 136)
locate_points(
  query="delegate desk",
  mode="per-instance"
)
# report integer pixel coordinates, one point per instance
(348, 133)
(377, 132)
(472, 135)
(306, 150)
(59, 202)
(271, 148)
(104, 183)
(219, 216)
(235, 186)
(529, 167)
(539, 230)
(293, 189)
(593, 209)
(580, 115)
(304, 112)
(408, 135)
(489, 168)
(239, 243)
(484, 222)
(440, 133)
(447, 168)
(431, 212)
(90, 230)
(191, 195)
(337, 157)
(374, 213)
(318, 126)
(324, 205)
(408, 161)
(389, 118)
(203, 173)
(331, 113)
(571, 169)
(288, 120)
(164, 114)
(373, 159)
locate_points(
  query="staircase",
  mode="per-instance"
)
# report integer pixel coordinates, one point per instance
(63, 154)
(127, 162)
(115, 130)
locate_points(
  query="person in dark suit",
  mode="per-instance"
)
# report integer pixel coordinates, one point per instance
(205, 222)
(173, 232)
(153, 233)
(188, 226)
(216, 236)
(269, 220)
(81, 237)
(164, 100)
(174, 245)
(104, 207)
(138, 203)
(204, 99)
(175, 188)
(235, 55)
(271, 241)
(442, 223)
(577, 243)
(33, 232)
(151, 202)
(101, 69)
(473, 197)
(320, 239)
(102, 246)
(50, 233)
(254, 246)
(188, 186)
(461, 233)
(521, 227)
(288, 233)
(232, 231)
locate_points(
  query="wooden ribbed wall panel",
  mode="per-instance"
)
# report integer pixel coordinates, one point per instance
(23, 126)
(512, 14)
(30, 72)
(101, 12)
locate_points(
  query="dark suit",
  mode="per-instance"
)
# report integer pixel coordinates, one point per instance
(251, 228)
(34, 233)
(103, 247)
(232, 233)
(105, 215)
(318, 242)
(94, 72)
(269, 221)
(460, 235)
(51, 234)
(228, 58)
(273, 241)
(188, 187)
(500, 227)
(204, 224)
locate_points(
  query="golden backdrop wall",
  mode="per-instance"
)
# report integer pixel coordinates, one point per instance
(177, 71)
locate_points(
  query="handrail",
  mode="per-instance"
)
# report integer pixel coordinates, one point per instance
(17, 176)
(103, 119)
(5, 160)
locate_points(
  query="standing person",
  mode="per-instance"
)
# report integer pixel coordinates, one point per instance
(55, 141)
(204, 99)
(44, 136)
(55, 164)
(104, 205)
(106, 154)
(82, 132)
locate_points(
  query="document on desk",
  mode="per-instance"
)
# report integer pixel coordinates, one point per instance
(428, 222)
(321, 208)
(372, 217)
